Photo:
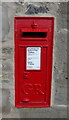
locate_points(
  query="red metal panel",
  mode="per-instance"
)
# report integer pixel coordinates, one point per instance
(33, 85)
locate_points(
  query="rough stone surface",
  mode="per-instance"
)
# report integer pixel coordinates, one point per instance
(5, 21)
(33, 9)
(6, 101)
(0, 62)
(59, 90)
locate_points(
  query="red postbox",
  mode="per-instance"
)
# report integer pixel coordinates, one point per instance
(33, 61)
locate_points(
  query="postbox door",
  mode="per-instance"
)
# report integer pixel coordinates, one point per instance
(32, 76)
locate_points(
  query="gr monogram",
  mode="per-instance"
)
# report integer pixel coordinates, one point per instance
(32, 89)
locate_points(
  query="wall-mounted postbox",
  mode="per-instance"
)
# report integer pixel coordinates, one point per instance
(33, 61)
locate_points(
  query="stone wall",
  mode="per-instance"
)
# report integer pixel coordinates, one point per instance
(59, 79)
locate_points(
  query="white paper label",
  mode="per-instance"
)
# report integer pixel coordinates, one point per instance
(33, 58)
